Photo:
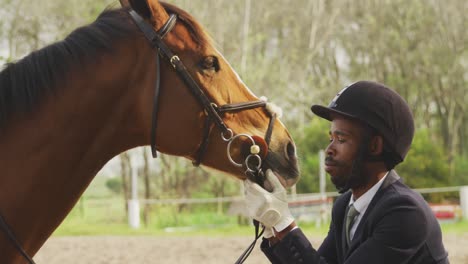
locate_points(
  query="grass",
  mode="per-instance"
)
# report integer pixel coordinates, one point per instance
(107, 217)
(455, 227)
(102, 215)
(109, 220)
(125, 230)
(79, 228)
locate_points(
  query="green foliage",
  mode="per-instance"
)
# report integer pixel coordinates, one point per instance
(313, 139)
(218, 185)
(309, 182)
(455, 227)
(115, 185)
(426, 164)
(301, 56)
(461, 171)
(98, 189)
(169, 216)
(108, 218)
(419, 54)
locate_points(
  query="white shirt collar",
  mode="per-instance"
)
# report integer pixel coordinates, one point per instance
(362, 202)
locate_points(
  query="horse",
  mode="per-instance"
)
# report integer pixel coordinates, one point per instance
(68, 108)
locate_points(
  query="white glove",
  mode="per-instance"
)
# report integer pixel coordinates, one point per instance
(270, 209)
(268, 233)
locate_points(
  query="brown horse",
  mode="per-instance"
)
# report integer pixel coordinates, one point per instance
(67, 109)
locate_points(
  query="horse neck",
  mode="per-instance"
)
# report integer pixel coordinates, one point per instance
(50, 157)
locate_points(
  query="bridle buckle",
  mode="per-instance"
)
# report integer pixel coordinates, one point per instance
(174, 60)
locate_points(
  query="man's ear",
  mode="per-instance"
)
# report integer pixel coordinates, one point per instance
(376, 145)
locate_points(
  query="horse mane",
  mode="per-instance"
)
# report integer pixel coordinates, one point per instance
(23, 84)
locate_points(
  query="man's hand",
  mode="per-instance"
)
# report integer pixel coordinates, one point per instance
(270, 209)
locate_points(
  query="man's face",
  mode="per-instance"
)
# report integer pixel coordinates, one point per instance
(345, 140)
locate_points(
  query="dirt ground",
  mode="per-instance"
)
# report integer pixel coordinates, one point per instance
(178, 250)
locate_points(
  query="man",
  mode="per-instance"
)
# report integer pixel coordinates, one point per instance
(376, 219)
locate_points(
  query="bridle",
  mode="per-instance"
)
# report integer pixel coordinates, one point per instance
(213, 114)
(212, 111)
(11, 236)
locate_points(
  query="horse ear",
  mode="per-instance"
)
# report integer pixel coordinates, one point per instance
(124, 3)
(142, 7)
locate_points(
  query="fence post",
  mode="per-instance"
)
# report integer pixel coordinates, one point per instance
(464, 201)
(133, 203)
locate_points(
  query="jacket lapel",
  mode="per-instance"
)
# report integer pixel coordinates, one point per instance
(339, 210)
(391, 178)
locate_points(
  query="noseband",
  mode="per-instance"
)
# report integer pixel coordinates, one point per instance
(212, 111)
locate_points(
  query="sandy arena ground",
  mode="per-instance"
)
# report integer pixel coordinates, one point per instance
(177, 250)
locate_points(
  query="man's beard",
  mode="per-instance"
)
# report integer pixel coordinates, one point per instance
(356, 178)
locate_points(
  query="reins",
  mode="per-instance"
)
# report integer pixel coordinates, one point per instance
(11, 236)
(213, 113)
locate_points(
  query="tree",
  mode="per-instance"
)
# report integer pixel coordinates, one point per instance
(115, 185)
(297, 55)
(125, 174)
(418, 48)
(315, 138)
(426, 164)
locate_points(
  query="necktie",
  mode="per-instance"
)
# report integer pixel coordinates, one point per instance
(352, 213)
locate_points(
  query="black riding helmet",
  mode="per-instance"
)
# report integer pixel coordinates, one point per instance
(379, 107)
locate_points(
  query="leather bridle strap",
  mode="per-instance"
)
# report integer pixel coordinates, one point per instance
(270, 129)
(151, 35)
(157, 42)
(227, 108)
(194, 88)
(155, 111)
(13, 240)
(177, 64)
(167, 27)
(241, 106)
(212, 111)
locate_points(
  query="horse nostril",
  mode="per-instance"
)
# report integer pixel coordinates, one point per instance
(290, 150)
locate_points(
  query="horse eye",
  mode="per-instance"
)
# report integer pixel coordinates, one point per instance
(210, 63)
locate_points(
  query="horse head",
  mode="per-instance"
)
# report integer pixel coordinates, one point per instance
(68, 108)
(182, 126)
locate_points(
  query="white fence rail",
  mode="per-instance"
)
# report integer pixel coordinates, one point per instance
(295, 197)
(305, 206)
